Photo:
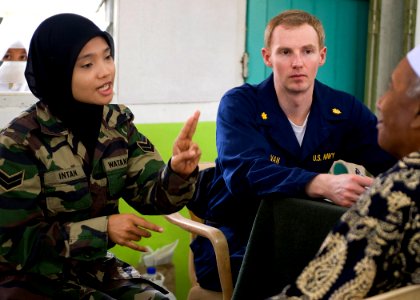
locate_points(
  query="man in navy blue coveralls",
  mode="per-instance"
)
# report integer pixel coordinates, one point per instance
(281, 137)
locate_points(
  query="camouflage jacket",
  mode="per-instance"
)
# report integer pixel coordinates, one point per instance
(51, 212)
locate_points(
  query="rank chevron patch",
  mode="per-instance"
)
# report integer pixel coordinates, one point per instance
(9, 182)
(146, 145)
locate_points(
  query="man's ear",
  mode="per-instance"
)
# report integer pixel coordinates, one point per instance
(266, 54)
(323, 56)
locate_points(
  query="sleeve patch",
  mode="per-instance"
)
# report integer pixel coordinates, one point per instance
(10, 182)
(146, 145)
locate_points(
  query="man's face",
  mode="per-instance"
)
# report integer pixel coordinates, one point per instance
(15, 54)
(295, 56)
(398, 114)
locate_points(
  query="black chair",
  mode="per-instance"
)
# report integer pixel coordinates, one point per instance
(286, 235)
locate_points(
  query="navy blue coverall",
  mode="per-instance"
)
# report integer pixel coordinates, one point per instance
(259, 155)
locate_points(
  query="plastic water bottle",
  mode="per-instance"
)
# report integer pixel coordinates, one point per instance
(154, 276)
(158, 278)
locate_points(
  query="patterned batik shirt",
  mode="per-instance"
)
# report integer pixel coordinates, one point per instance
(375, 247)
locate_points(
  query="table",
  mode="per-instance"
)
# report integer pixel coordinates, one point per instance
(286, 234)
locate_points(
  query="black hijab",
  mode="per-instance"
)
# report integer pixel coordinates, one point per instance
(53, 51)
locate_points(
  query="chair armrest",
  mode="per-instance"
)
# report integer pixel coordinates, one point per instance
(220, 245)
(410, 292)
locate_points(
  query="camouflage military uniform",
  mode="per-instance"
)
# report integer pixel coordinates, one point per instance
(54, 205)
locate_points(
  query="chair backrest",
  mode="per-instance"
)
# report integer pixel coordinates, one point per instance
(221, 249)
(195, 226)
(286, 235)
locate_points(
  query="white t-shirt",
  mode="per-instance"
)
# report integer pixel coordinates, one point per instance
(299, 130)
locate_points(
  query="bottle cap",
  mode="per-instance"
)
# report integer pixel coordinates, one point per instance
(151, 270)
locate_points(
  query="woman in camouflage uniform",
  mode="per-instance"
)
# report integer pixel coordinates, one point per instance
(64, 164)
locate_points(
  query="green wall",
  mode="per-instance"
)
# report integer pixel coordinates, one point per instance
(346, 27)
(162, 136)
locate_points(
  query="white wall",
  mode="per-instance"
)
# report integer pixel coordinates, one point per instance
(176, 56)
(173, 57)
(12, 104)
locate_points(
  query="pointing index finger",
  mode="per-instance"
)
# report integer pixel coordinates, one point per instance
(140, 222)
(190, 126)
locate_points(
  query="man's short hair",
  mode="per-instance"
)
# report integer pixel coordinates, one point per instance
(294, 18)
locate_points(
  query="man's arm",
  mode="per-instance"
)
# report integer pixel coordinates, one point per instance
(343, 189)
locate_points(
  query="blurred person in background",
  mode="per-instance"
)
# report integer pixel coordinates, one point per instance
(12, 68)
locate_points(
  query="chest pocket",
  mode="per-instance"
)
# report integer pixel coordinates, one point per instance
(116, 173)
(67, 190)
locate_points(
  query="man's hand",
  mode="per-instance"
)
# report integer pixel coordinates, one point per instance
(126, 229)
(343, 189)
(185, 153)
